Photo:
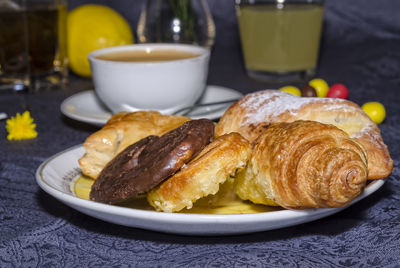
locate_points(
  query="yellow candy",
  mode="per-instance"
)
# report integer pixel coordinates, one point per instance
(291, 89)
(320, 86)
(375, 110)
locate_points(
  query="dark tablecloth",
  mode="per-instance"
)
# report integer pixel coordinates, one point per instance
(361, 48)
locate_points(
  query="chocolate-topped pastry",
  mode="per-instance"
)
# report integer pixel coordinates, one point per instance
(143, 165)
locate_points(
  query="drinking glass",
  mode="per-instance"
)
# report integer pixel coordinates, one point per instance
(33, 52)
(280, 38)
(176, 21)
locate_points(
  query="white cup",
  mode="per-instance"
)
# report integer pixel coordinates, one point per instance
(165, 86)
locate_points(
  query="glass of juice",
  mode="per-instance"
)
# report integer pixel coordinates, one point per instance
(280, 38)
(32, 44)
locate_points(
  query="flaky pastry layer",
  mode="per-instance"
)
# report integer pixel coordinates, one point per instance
(122, 130)
(256, 111)
(303, 164)
(203, 175)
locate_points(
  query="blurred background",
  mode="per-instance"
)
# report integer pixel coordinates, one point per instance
(357, 28)
(360, 41)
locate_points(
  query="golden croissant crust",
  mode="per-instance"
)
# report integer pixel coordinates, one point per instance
(304, 164)
(253, 113)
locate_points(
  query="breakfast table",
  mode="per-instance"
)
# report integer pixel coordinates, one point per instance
(360, 48)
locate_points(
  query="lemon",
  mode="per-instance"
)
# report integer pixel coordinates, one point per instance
(91, 27)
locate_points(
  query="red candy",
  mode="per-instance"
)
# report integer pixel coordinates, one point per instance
(338, 91)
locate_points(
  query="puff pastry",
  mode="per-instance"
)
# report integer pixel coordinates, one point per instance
(203, 175)
(303, 164)
(253, 113)
(145, 164)
(122, 130)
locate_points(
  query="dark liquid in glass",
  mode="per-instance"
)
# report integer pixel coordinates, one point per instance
(31, 42)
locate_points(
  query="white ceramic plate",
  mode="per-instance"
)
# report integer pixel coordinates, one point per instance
(86, 107)
(57, 174)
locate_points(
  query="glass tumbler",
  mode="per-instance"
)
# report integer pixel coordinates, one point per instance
(33, 52)
(280, 38)
(176, 21)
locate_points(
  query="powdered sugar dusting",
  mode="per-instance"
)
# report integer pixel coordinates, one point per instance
(265, 104)
(367, 130)
(255, 111)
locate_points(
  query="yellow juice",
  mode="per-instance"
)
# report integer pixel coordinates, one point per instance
(280, 38)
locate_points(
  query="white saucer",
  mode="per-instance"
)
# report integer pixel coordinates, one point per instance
(86, 107)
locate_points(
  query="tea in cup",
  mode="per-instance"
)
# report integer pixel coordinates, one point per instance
(162, 77)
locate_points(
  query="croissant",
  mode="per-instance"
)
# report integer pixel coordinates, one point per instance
(303, 164)
(253, 113)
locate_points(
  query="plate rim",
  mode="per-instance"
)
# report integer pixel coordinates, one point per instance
(190, 218)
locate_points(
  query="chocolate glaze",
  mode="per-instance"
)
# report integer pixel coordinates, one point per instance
(146, 163)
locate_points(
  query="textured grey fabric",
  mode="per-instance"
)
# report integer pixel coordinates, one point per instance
(360, 49)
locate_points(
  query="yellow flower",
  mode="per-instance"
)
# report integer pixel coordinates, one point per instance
(21, 127)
